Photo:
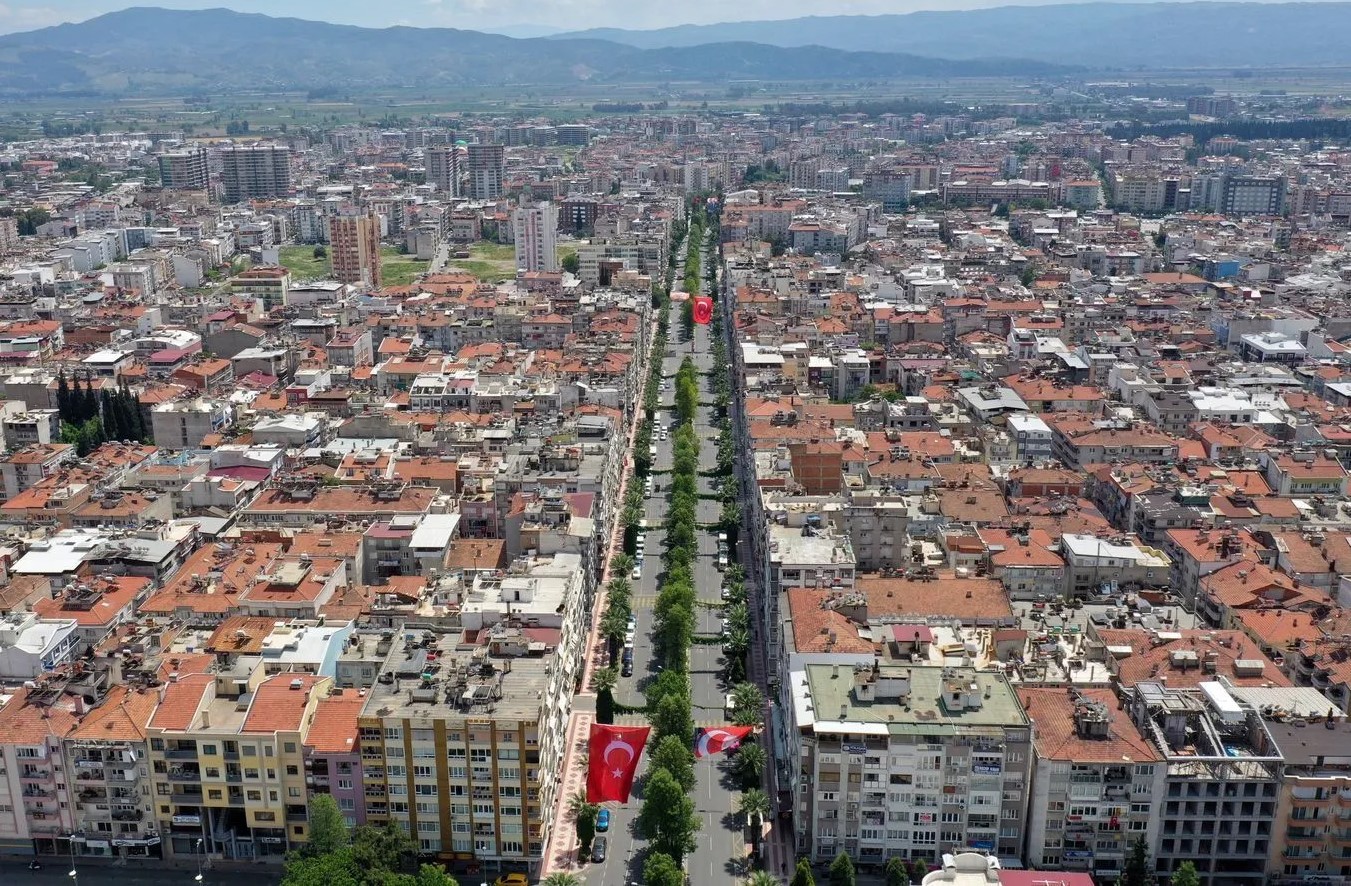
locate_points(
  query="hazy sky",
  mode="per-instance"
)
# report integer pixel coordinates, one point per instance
(490, 14)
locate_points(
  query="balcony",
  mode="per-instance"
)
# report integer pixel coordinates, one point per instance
(1303, 837)
(181, 753)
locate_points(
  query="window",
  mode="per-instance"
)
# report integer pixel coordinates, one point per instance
(293, 792)
(425, 790)
(289, 747)
(255, 796)
(292, 770)
(344, 784)
(209, 750)
(250, 772)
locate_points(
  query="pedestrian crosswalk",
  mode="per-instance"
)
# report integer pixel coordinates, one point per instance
(646, 601)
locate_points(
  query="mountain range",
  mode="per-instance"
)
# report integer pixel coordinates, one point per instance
(155, 51)
(1101, 35)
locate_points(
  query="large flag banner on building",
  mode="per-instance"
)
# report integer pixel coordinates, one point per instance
(614, 753)
(709, 740)
(703, 310)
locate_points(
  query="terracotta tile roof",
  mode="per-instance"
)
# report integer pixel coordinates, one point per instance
(334, 730)
(241, 635)
(1057, 738)
(1151, 657)
(122, 716)
(114, 596)
(24, 721)
(946, 597)
(818, 628)
(178, 708)
(276, 706)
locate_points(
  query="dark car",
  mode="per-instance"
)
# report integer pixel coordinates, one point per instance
(598, 850)
(626, 669)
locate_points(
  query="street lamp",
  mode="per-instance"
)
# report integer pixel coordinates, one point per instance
(74, 874)
(197, 850)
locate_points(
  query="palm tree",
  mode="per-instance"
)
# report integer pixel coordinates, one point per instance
(622, 564)
(561, 878)
(614, 624)
(748, 705)
(604, 680)
(577, 804)
(750, 763)
(738, 640)
(758, 878)
(737, 616)
(754, 804)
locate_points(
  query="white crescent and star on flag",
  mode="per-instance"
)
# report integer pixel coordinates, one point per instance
(713, 739)
(618, 743)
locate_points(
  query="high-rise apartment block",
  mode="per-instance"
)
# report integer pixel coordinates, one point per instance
(905, 759)
(487, 168)
(443, 169)
(1253, 195)
(252, 172)
(184, 170)
(354, 248)
(536, 235)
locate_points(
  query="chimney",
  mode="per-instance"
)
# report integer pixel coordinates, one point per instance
(206, 719)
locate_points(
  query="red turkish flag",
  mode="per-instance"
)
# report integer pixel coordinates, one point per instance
(703, 310)
(711, 740)
(614, 753)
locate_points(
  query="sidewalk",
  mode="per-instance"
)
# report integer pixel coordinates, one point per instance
(561, 851)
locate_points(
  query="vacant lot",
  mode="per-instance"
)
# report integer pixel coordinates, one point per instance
(397, 269)
(302, 264)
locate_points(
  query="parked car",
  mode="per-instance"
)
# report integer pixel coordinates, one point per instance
(515, 879)
(603, 820)
(598, 848)
(637, 573)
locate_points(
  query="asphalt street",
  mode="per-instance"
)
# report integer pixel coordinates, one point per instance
(720, 848)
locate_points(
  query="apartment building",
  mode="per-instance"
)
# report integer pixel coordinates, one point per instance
(536, 237)
(915, 761)
(443, 169)
(227, 758)
(107, 764)
(462, 748)
(354, 248)
(486, 168)
(1252, 195)
(1221, 783)
(35, 794)
(184, 170)
(1096, 782)
(254, 172)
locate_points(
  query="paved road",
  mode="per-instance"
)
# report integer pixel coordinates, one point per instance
(720, 844)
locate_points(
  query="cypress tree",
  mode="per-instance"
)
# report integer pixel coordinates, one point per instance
(135, 419)
(91, 399)
(63, 396)
(112, 420)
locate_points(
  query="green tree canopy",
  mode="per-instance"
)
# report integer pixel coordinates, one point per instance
(1185, 875)
(842, 871)
(662, 870)
(802, 876)
(667, 818)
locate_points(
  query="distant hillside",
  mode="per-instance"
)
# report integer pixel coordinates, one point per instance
(148, 50)
(1091, 34)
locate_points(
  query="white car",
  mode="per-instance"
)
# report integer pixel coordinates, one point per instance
(637, 573)
(726, 592)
